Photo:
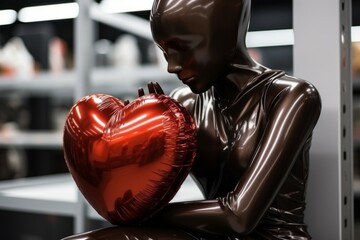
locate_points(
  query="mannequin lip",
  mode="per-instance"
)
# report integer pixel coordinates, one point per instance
(187, 80)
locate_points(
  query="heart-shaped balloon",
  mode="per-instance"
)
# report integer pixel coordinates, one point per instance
(129, 161)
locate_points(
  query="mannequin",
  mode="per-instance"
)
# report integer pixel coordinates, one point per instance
(254, 128)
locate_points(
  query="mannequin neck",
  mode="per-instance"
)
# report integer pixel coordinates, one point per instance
(241, 72)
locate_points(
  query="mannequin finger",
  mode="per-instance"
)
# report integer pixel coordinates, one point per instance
(141, 92)
(158, 88)
(151, 87)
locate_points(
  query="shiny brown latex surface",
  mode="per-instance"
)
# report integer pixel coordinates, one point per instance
(254, 126)
(134, 233)
(128, 161)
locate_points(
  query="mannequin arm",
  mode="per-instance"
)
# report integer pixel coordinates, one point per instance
(292, 115)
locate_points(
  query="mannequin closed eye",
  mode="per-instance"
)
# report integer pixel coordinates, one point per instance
(178, 45)
(181, 43)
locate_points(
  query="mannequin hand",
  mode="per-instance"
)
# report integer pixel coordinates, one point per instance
(153, 87)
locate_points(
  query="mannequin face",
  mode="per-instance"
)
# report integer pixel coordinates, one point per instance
(196, 40)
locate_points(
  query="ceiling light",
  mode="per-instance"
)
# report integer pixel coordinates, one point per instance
(116, 6)
(49, 12)
(124, 21)
(7, 16)
(285, 37)
(270, 38)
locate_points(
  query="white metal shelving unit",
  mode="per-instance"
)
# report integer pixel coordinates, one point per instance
(58, 194)
(108, 80)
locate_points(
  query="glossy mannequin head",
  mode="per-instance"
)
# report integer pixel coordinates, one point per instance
(201, 38)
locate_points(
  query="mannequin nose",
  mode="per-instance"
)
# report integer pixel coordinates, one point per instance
(174, 68)
(173, 63)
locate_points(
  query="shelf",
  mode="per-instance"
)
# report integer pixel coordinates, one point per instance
(107, 80)
(57, 194)
(40, 83)
(48, 195)
(38, 139)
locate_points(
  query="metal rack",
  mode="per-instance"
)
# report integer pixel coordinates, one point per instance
(109, 80)
(58, 194)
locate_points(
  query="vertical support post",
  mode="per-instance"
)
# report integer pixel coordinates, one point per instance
(84, 60)
(322, 56)
(84, 45)
(80, 218)
(347, 161)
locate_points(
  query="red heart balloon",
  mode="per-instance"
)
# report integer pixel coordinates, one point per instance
(128, 161)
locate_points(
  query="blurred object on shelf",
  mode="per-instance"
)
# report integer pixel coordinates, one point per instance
(12, 160)
(13, 110)
(15, 59)
(356, 107)
(57, 55)
(59, 117)
(356, 117)
(126, 53)
(103, 51)
(37, 37)
(6, 70)
(8, 129)
(356, 59)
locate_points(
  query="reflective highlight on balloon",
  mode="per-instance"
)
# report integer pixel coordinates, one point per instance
(128, 161)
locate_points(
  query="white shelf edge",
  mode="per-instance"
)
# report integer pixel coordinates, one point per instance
(101, 79)
(38, 139)
(38, 206)
(27, 195)
(23, 195)
(35, 181)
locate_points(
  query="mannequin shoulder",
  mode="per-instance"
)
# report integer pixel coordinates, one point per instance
(291, 90)
(184, 96)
